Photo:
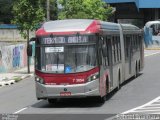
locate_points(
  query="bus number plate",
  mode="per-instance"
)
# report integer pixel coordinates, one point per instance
(65, 93)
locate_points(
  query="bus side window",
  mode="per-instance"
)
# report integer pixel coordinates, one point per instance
(43, 65)
(115, 49)
(37, 61)
(113, 58)
(127, 46)
(107, 57)
(132, 43)
(139, 41)
(101, 42)
(105, 61)
(118, 49)
(109, 52)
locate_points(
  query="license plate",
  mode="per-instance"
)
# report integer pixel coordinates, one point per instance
(65, 93)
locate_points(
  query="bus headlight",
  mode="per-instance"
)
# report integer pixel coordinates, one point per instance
(93, 77)
(39, 79)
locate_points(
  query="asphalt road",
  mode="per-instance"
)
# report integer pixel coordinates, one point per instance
(20, 98)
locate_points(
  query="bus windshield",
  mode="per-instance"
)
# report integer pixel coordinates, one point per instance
(66, 58)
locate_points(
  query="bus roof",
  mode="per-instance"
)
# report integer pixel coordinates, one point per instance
(129, 27)
(73, 26)
(83, 26)
(67, 25)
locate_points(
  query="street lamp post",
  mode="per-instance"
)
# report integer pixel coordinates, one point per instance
(48, 10)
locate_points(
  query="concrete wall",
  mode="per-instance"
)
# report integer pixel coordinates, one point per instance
(12, 53)
(13, 56)
(12, 35)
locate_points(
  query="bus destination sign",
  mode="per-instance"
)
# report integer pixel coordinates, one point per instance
(61, 40)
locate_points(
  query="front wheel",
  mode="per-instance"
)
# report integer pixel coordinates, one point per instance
(52, 101)
(102, 99)
(136, 71)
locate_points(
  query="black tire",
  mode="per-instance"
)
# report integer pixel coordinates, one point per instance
(52, 101)
(102, 100)
(136, 71)
(139, 67)
(119, 79)
(107, 85)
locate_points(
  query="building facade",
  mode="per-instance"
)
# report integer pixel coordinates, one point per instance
(144, 10)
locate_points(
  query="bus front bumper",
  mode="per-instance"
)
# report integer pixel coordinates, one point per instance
(67, 91)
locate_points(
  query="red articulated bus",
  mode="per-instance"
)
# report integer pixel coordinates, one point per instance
(82, 58)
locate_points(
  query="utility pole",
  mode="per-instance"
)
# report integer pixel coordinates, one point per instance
(28, 64)
(48, 10)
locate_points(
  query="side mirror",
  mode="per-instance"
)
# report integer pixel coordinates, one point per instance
(29, 50)
(104, 51)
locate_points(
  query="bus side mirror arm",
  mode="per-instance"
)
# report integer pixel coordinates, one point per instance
(32, 39)
(29, 47)
(29, 50)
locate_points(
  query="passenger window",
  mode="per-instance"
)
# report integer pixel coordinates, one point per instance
(105, 59)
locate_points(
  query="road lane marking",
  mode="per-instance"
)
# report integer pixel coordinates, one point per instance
(141, 110)
(20, 110)
(151, 103)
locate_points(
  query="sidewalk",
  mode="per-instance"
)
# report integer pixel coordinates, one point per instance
(15, 76)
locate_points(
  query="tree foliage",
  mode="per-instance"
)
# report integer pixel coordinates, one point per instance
(27, 15)
(89, 9)
(5, 11)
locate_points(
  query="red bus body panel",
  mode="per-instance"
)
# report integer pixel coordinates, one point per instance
(66, 79)
(94, 27)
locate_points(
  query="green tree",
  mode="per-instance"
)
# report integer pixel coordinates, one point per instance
(89, 9)
(28, 14)
(5, 11)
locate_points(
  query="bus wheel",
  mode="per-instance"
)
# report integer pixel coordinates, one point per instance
(51, 101)
(119, 81)
(136, 71)
(102, 99)
(139, 66)
(107, 86)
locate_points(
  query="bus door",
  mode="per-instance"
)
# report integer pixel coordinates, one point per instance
(110, 59)
(106, 64)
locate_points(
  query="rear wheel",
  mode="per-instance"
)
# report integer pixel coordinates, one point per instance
(139, 66)
(107, 86)
(136, 71)
(119, 81)
(102, 99)
(51, 101)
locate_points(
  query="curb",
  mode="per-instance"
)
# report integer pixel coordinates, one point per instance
(25, 76)
(152, 48)
(6, 81)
